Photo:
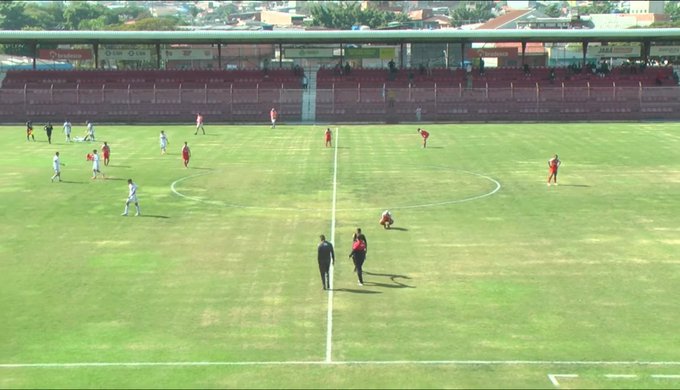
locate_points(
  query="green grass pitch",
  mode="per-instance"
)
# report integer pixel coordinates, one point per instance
(489, 279)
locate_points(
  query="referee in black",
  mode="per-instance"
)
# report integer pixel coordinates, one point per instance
(325, 257)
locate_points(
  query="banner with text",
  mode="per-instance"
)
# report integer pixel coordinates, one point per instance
(187, 54)
(125, 54)
(65, 54)
(664, 51)
(383, 53)
(308, 53)
(492, 52)
(623, 51)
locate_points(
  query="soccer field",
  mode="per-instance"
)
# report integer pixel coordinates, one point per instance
(489, 278)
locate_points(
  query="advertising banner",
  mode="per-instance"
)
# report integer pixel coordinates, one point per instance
(499, 52)
(125, 54)
(65, 54)
(362, 52)
(664, 51)
(187, 54)
(308, 53)
(623, 51)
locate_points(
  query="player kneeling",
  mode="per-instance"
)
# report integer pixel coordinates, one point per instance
(386, 219)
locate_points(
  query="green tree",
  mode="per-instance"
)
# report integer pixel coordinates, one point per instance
(46, 16)
(13, 15)
(77, 12)
(553, 10)
(672, 9)
(598, 7)
(152, 24)
(481, 13)
(344, 15)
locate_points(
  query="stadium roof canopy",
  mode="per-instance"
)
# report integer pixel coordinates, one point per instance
(333, 37)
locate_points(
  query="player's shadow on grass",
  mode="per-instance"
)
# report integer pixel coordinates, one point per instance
(574, 185)
(114, 178)
(396, 280)
(73, 182)
(401, 229)
(356, 290)
(201, 168)
(154, 216)
(434, 147)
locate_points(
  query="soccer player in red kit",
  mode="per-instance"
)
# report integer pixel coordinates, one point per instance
(106, 153)
(186, 154)
(425, 136)
(328, 138)
(273, 115)
(553, 165)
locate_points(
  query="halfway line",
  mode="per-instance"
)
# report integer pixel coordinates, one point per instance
(329, 315)
(356, 362)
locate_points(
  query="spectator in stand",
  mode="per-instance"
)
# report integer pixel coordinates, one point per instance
(551, 76)
(481, 66)
(392, 66)
(527, 70)
(347, 68)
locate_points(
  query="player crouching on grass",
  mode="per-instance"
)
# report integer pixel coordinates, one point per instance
(386, 219)
(425, 136)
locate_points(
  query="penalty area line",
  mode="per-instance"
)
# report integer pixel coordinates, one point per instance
(352, 362)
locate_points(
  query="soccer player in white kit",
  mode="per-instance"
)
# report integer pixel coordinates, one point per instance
(67, 130)
(95, 164)
(132, 198)
(90, 131)
(164, 142)
(56, 164)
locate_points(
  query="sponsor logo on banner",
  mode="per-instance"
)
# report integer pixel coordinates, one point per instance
(187, 54)
(362, 52)
(492, 52)
(614, 51)
(125, 54)
(65, 54)
(661, 51)
(308, 53)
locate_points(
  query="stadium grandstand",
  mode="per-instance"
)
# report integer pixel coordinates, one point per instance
(342, 76)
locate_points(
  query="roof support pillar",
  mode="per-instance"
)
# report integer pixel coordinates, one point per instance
(280, 55)
(645, 51)
(462, 53)
(34, 53)
(524, 50)
(219, 56)
(584, 48)
(342, 55)
(401, 55)
(158, 55)
(95, 49)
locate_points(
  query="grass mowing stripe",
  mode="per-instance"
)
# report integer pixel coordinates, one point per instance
(329, 326)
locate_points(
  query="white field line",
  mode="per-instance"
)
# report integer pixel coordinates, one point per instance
(173, 187)
(329, 314)
(666, 376)
(620, 376)
(572, 363)
(555, 382)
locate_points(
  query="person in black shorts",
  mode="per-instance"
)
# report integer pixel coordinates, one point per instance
(325, 256)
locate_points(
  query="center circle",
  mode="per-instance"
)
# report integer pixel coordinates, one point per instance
(269, 188)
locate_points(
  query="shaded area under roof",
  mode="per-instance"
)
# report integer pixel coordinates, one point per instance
(330, 37)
